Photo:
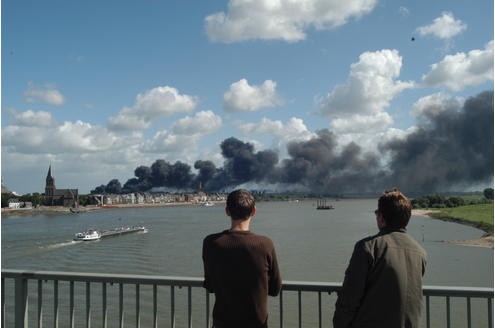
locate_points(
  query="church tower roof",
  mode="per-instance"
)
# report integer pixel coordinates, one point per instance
(50, 181)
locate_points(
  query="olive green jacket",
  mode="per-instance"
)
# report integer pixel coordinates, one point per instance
(383, 283)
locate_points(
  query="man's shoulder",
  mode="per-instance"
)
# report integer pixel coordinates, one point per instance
(396, 239)
(213, 236)
(367, 240)
(262, 238)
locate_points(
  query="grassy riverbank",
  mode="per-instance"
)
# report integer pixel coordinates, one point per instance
(480, 216)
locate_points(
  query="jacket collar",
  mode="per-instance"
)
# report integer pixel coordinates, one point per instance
(386, 230)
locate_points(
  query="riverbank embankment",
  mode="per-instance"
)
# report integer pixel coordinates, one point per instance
(53, 210)
(486, 240)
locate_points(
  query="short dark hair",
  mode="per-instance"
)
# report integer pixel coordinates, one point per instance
(395, 208)
(240, 204)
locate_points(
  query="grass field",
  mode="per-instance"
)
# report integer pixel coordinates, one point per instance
(481, 214)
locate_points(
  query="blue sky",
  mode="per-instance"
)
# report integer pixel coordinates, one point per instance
(97, 88)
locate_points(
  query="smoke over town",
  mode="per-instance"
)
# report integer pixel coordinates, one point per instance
(452, 149)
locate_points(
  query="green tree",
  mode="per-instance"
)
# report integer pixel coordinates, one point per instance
(488, 193)
(5, 199)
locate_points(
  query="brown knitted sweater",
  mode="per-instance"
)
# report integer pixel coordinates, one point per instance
(241, 269)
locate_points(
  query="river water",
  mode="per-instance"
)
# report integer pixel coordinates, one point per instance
(311, 245)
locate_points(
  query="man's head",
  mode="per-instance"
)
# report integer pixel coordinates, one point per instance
(394, 208)
(240, 205)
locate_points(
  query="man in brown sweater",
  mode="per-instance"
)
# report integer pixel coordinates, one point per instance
(240, 268)
(383, 282)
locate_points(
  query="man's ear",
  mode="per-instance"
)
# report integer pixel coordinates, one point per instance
(380, 221)
(227, 211)
(253, 212)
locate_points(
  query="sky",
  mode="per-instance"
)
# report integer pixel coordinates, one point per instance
(323, 95)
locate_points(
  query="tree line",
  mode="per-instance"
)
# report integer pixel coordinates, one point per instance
(440, 201)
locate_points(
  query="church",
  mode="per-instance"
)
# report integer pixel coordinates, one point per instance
(59, 197)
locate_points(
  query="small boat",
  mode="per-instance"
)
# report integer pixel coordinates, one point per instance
(74, 210)
(208, 204)
(87, 235)
(322, 205)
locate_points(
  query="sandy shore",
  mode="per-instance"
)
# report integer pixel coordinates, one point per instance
(486, 240)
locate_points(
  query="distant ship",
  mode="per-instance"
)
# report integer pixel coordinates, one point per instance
(87, 235)
(321, 204)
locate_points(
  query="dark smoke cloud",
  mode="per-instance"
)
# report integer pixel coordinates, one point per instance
(242, 164)
(453, 149)
(319, 166)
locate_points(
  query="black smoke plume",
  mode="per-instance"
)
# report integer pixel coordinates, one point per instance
(320, 167)
(450, 151)
(454, 151)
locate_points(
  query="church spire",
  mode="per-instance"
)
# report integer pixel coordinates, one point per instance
(50, 181)
(49, 175)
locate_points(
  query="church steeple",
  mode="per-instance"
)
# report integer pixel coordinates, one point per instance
(49, 175)
(50, 186)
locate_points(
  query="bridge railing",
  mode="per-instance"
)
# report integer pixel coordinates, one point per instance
(68, 299)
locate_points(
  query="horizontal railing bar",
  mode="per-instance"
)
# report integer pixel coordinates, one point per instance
(105, 277)
(454, 291)
(461, 291)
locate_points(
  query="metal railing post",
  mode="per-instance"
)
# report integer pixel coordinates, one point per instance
(55, 303)
(88, 304)
(281, 306)
(21, 302)
(138, 307)
(490, 309)
(189, 307)
(3, 302)
(172, 306)
(121, 306)
(207, 308)
(71, 304)
(40, 303)
(155, 306)
(104, 304)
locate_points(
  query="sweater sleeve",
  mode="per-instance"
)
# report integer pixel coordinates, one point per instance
(274, 279)
(353, 288)
(207, 283)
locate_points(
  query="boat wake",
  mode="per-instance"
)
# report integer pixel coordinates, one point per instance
(59, 245)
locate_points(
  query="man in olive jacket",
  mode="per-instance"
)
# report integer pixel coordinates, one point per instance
(383, 282)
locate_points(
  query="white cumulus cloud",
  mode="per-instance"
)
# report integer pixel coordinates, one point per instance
(183, 137)
(202, 123)
(68, 137)
(242, 97)
(47, 94)
(435, 104)
(462, 70)
(443, 27)
(281, 19)
(32, 118)
(169, 142)
(294, 129)
(357, 123)
(280, 133)
(371, 85)
(154, 103)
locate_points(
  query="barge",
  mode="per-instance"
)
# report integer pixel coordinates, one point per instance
(92, 234)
